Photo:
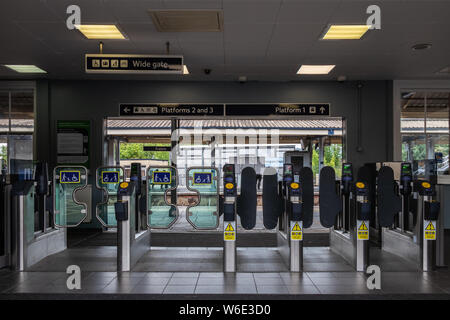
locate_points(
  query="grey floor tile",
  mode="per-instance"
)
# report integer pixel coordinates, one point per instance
(148, 289)
(269, 281)
(125, 281)
(271, 289)
(257, 275)
(336, 289)
(291, 279)
(339, 281)
(118, 288)
(241, 289)
(185, 275)
(171, 289)
(182, 281)
(154, 281)
(131, 274)
(302, 289)
(211, 275)
(213, 289)
(159, 274)
(213, 281)
(313, 275)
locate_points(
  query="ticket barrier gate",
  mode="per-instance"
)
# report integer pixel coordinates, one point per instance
(229, 218)
(119, 210)
(26, 195)
(297, 196)
(347, 211)
(410, 221)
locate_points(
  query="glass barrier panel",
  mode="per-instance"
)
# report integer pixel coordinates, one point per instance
(68, 212)
(205, 213)
(161, 181)
(108, 179)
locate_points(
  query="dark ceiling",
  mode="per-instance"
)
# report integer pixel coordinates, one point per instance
(265, 40)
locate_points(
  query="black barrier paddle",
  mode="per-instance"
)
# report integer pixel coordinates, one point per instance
(271, 198)
(330, 203)
(307, 185)
(388, 201)
(246, 201)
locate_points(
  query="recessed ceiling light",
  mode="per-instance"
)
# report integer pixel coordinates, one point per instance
(25, 68)
(345, 32)
(421, 46)
(185, 69)
(99, 31)
(315, 69)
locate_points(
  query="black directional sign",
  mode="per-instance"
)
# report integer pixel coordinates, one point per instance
(297, 109)
(171, 110)
(157, 148)
(301, 109)
(127, 63)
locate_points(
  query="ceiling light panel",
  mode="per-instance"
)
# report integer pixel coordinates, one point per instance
(315, 69)
(25, 68)
(98, 31)
(345, 32)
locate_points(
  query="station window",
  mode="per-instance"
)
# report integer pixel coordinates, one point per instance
(425, 125)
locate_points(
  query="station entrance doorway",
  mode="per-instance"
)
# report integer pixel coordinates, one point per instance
(186, 221)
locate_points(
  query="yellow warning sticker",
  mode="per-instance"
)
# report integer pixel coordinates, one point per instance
(229, 227)
(229, 233)
(430, 230)
(297, 230)
(363, 230)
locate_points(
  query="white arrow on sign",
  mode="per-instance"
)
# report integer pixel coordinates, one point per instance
(126, 110)
(322, 109)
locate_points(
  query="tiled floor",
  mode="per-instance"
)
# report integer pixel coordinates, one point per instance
(175, 259)
(273, 283)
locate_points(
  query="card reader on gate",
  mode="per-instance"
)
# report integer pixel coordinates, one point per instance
(292, 185)
(362, 199)
(121, 207)
(229, 192)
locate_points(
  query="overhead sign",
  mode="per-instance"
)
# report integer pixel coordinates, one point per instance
(297, 109)
(297, 230)
(130, 63)
(229, 231)
(135, 109)
(170, 110)
(429, 229)
(362, 228)
(156, 148)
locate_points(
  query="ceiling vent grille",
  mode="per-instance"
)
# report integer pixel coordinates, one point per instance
(187, 20)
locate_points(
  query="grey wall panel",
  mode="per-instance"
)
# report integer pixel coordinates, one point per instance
(95, 100)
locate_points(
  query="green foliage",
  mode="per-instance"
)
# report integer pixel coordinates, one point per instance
(3, 152)
(332, 157)
(136, 151)
(419, 151)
